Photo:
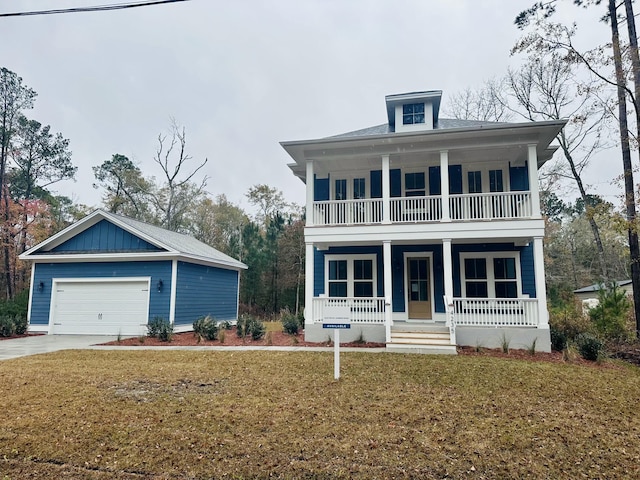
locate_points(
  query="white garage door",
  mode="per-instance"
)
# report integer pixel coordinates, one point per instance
(100, 307)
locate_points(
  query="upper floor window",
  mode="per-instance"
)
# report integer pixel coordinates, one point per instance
(495, 181)
(359, 188)
(414, 184)
(412, 113)
(341, 189)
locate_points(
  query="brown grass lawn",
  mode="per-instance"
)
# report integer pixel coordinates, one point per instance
(199, 415)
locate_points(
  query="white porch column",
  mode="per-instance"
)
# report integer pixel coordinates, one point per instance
(534, 188)
(444, 185)
(386, 190)
(310, 193)
(308, 283)
(447, 267)
(541, 288)
(388, 288)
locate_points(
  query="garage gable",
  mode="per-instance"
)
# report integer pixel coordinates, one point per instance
(104, 236)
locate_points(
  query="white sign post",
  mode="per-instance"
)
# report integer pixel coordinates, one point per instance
(337, 318)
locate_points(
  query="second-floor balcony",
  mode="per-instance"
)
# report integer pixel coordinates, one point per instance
(424, 209)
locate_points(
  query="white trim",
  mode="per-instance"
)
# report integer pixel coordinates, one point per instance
(174, 288)
(55, 281)
(350, 280)
(33, 274)
(405, 257)
(120, 257)
(309, 277)
(491, 281)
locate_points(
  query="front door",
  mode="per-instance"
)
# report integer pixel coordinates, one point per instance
(418, 276)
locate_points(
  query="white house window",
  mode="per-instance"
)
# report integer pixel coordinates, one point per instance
(495, 181)
(338, 278)
(475, 182)
(359, 188)
(340, 192)
(354, 276)
(414, 184)
(412, 113)
(491, 275)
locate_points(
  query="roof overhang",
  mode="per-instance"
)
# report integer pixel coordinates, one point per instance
(516, 135)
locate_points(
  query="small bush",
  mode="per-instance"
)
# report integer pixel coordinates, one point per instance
(20, 323)
(222, 335)
(590, 347)
(569, 320)
(7, 327)
(610, 315)
(290, 323)
(225, 325)
(505, 342)
(161, 329)
(248, 325)
(205, 327)
(558, 340)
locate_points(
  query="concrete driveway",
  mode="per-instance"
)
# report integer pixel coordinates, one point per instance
(21, 347)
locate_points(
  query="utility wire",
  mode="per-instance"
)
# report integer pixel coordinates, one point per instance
(98, 8)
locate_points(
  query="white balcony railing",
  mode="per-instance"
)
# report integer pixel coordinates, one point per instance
(347, 212)
(465, 207)
(416, 209)
(489, 206)
(363, 310)
(495, 312)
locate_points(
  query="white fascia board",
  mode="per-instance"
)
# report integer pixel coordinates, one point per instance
(132, 257)
(411, 233)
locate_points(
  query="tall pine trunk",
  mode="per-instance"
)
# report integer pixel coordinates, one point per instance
(630, 202)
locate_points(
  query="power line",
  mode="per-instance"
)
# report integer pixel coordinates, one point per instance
(98, 8)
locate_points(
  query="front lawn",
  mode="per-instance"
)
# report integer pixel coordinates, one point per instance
(198, 414)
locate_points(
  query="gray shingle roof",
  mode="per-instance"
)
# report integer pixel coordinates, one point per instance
(443, 124)
(179, 242)
(596, 286)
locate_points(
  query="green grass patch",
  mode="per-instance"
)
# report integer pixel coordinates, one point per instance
(203, 414)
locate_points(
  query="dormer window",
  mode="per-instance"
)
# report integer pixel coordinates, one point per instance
(412, 113)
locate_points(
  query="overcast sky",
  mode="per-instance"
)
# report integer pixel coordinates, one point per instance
(243, 75)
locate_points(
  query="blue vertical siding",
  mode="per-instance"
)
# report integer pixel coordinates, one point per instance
(320, 189)
(376, 183)
(318, 272)
(398, 281)
(104, 236)
(528, 271)
(159, 302)
(204, 290)
(519, 178)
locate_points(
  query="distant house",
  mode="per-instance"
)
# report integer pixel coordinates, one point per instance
(427, 229)
(109, 274)
(589, 295)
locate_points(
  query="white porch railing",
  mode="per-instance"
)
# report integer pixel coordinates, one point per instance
(489, 206)
(465, 207)
(363, 310)
(495, 312)
(416, 209)
(347, 212)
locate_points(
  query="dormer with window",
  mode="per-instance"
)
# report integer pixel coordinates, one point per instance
(412, 112)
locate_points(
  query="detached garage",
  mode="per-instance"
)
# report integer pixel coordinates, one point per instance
(108, 274)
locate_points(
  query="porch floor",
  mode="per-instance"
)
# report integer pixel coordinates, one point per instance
(431, 338)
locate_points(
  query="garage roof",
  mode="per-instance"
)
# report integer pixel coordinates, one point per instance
(171, 244)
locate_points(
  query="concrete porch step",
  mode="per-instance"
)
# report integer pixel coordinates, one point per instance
(432, 339)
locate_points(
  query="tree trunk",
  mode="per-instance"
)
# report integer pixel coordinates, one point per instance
(630, 203)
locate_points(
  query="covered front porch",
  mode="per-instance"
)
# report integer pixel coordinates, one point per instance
(414, 294)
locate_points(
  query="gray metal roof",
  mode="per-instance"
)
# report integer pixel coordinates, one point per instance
(179, 242)
(443, 124)
(596, 286)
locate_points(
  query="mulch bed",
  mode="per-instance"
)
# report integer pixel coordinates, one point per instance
(21, 336)
(231, 339)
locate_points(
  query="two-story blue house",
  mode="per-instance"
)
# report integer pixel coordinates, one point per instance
(428, 229)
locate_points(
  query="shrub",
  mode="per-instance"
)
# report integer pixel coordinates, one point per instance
(558, 340)
(248, 325)
(16, 306)
(569, 320)
(589, 346)
(20, 323)
(160, 328)
(7, 327)
(225, 325)
(610, 315)
(290, 323)
(205, 327)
